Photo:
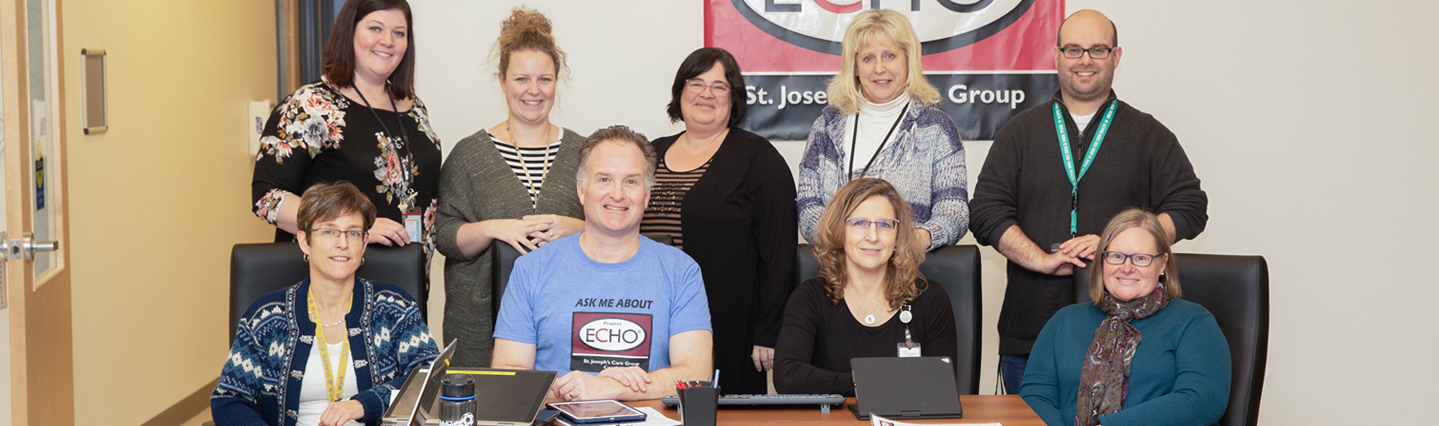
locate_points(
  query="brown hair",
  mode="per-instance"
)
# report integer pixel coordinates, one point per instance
(620, 134)
(527, 29)
(903, 269)
(699, 62)
(1134, 218)
(340, 49)
(325, 201)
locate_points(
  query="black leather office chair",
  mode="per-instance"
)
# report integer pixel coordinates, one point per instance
(1236, 290)
(956, 268)
(256, 269)
(504, 262)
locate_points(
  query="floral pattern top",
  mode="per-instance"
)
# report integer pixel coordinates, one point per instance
(318, 135)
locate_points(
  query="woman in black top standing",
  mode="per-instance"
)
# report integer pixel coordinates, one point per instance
(726, 196)
(869, 299)
(361, 123)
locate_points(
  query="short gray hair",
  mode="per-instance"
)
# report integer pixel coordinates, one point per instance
(618, 133)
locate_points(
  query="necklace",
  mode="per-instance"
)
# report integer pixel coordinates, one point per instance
(868, 313)
(533, 189)
(405, 202)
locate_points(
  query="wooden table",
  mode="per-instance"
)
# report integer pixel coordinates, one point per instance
(1009, 410)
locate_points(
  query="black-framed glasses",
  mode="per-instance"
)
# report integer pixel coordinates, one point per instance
(694, 85)
(1138, 259)
(330, 235)
(885, 226)
(1096, 52)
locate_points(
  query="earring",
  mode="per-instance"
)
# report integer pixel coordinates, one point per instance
(362, 261)
(307, 258)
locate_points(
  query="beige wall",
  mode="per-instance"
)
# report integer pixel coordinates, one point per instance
(1308, 121)
(157, 201)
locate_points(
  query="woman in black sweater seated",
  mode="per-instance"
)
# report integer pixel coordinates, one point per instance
(869, 299)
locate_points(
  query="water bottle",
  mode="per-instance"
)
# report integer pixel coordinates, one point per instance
(457, 400)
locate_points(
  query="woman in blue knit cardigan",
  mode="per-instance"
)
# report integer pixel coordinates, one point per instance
(372, 333)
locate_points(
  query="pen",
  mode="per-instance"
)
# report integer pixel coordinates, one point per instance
(715, 382)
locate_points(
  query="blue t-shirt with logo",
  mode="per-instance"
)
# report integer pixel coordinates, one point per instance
(585, 315)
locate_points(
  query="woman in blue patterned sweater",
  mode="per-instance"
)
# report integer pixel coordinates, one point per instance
(372, 332)
(882, 123)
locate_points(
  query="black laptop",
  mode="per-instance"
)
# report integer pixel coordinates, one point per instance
(905, 388)
(502, 397)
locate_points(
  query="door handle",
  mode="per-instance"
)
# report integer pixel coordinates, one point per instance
(29, 246)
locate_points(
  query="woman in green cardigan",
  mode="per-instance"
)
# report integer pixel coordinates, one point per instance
(513, 183)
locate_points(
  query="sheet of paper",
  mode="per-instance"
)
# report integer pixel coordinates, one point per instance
(654, 418)
(881, 421)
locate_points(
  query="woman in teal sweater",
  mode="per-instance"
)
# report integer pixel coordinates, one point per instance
(1138, 355)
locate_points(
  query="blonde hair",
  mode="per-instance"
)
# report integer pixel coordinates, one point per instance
(868, 26)
(903, 267)
(1134, 218)
(527, 29)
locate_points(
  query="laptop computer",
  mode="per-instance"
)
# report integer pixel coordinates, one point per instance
(502, 397)
(905, 388)
(420, 390)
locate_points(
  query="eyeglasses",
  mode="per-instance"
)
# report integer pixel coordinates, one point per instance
(859, 224)
(330, 235)
(696, 86)
(1096, 52)
(1138, 259)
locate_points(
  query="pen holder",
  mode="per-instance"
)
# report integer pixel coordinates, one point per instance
(698, 404)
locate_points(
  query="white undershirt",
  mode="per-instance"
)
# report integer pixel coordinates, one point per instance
(875, 120)
(313, 395)
(1082, 121)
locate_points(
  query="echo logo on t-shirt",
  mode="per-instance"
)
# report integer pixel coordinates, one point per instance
(602, 340)
(612, 334)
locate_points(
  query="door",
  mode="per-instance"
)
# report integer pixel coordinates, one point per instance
(37, 273)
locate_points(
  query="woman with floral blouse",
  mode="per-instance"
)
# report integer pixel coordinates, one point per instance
(361, 123)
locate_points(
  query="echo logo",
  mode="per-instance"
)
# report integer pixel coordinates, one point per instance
(612, 334)
(942, 25)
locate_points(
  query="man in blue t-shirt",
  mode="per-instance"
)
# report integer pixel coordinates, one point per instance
(615, 314)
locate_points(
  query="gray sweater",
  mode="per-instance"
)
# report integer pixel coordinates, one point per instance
(477, 185)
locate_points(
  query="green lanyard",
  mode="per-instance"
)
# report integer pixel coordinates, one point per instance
(1068, 157)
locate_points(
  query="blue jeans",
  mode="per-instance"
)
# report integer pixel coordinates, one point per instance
(1011, 367)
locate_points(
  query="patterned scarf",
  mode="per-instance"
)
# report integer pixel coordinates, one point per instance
(1104, 379)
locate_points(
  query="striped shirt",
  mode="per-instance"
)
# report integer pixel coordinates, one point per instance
(663, 214)
(536, 159)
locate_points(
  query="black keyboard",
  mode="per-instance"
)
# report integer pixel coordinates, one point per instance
(823, 401)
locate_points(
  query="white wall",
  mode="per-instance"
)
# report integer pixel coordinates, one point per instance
(1305, 120)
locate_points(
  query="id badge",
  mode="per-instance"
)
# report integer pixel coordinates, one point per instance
(414, 225)
(908, 352)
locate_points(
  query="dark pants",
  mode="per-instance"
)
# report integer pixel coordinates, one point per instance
(1012, 368)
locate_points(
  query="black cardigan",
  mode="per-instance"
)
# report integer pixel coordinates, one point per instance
(820, 338)
(740, 226)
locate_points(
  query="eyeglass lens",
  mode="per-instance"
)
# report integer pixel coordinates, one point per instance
(1096, 52)
(1139, 259)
